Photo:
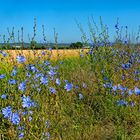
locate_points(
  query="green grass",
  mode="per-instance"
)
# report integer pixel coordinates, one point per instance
(96, 117)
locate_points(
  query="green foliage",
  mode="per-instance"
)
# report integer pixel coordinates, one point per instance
(92, 109)
(76, 45)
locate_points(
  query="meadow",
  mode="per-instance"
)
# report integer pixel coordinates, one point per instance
(82, 94)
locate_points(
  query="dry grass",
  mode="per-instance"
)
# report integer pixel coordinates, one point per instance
(55, 54)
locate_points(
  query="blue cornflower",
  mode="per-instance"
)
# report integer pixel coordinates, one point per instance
(126, 66)
(122, 102)
(2, 76)
(76, 87)
(30, 118)
(43, 53)
(66, 81)
(47, 63)
(7, 112)
(34, 85)
(33, 68)
(105, 78)
(108, 85)
(34, 104)
(22, 86)
(137, 91)
(114, 88)
(52, 90)
(44, 80)
(14, 72)
(81, 55)
(132, 103)
(15, 119)
(50, 49)
(12, 81)
(130, 92)
(21, 59)
(28, 75)
(68, 86)
(37, 75)
(120, 87)
(123, 76)
(38, 89)
(52, 73)
(21, 128)
(3, 96)
(61, 62)
(31, 112)
(26, 102)
(80, 96)
(24, 113)
(21, 135)
(3, 53)
(58, 81)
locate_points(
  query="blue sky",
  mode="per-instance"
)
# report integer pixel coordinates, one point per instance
(61, 14)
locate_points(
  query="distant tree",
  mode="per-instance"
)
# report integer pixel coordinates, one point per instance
(76, 45)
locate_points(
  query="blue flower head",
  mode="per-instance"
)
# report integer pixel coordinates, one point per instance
(3, 53)
(37, 75)
(7, 112)
(3, 96)
(2, 76)
(120, 87)
(15, 119)
(14, 72)
(21, 128)
(43, 53)
(44, 80)
(52, 90)
(33, 68)
(47, 63)
(21, 59)
(81, 55)
(30, 118)
(22, 86)
(52, 73)
(114, 88)
(26, 102)
(137, 91)
(122, 103)
(28, 75)
(21, 135)
(12, 81)
(108, 85)
(50, 49)
(68, 86)
(80, 96)
(58, 81)
(130, 92)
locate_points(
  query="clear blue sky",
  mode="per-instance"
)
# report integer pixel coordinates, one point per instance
(61, 14)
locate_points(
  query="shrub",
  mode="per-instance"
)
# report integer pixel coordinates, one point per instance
(76, 45)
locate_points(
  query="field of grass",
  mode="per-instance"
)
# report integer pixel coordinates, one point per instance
(70, 94)
(79, 94)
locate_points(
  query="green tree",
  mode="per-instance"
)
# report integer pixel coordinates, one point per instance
(76, 45)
